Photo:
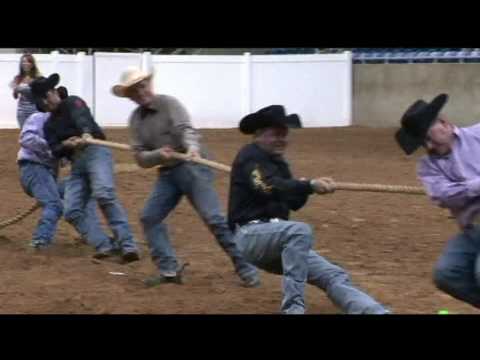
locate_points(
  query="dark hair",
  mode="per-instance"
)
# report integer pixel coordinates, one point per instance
(62, 92)
(34, 72)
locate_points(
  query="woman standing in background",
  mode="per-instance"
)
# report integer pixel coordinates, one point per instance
(21, 88)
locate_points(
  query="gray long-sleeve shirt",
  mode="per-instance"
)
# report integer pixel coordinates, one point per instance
(164, 122)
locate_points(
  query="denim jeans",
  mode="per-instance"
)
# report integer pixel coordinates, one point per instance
(457, 271)
(285, 247)
(92, 175)
(93, 234)
(39, 182)
(196, 183)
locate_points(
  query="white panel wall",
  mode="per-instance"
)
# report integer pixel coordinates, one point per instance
(75, 74)
(210, 87)
(315, 87)
(8, 70)
(217, 90)
(109, 109)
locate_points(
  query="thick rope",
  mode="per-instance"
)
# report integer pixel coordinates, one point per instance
(20, 216)
(348, 186)
(120, 168)
(176, 155)
(399, 189)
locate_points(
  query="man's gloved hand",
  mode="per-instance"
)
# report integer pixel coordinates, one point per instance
(72, 142)
(87, 136)
(63, 162)
(323, 185)
(82, 142)
(164, 153)
(192, 153)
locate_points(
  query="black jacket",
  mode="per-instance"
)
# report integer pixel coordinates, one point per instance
(262, 187)
(71, 118)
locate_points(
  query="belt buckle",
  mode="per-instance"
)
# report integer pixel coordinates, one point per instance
(275, 220)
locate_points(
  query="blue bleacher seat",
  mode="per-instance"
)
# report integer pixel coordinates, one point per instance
(374, 58)
(423, 57)
(415, 55)
(448, 57)
(472, 57)
(398, 57)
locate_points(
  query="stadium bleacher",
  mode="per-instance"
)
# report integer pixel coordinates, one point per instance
(415, 55)
(394, 55)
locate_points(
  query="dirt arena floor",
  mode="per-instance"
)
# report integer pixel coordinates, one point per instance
(388, 242)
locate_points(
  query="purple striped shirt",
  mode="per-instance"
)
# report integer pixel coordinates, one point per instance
(33, 146)
(453, 181)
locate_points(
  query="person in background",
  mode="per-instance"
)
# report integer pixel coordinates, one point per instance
(21, 88)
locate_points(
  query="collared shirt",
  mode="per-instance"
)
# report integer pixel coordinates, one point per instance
(262, 187)
(71, 118)
(453, 180)
(33, 146)
(164, 122)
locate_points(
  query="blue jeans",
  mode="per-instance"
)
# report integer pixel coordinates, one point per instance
(285, 247)
(93, 234)
(39, 182)
(92, 176)
(196, 183)
(457, 271)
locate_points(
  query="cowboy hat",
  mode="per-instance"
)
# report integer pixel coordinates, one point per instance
(270, 116)
(416, 122)
(40, 86)
(130, 77)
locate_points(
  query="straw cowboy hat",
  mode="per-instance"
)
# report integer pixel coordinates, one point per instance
(416, 122)
(130, 77)
(273, 115)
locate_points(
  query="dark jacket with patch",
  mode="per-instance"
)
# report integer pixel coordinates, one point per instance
(71, 118)
(262, 187)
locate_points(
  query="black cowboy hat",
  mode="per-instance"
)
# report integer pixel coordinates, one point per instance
(62, 92)
(42, 85)
(273, 115)
(416, 122)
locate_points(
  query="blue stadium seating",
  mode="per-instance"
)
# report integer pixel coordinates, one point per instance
(414, 55)
(397, 55)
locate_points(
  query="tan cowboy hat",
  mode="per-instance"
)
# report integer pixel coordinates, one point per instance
(130, 77)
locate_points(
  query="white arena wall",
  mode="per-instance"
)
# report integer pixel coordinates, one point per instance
(217, 90)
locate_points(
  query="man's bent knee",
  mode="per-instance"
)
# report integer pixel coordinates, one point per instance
(300, 231)
(104, 195)
(55, 207)
(149, 220)
(73, 215)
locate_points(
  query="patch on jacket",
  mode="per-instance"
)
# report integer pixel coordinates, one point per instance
(258, 182)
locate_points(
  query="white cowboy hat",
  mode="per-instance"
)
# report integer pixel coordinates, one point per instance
(130, 77)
